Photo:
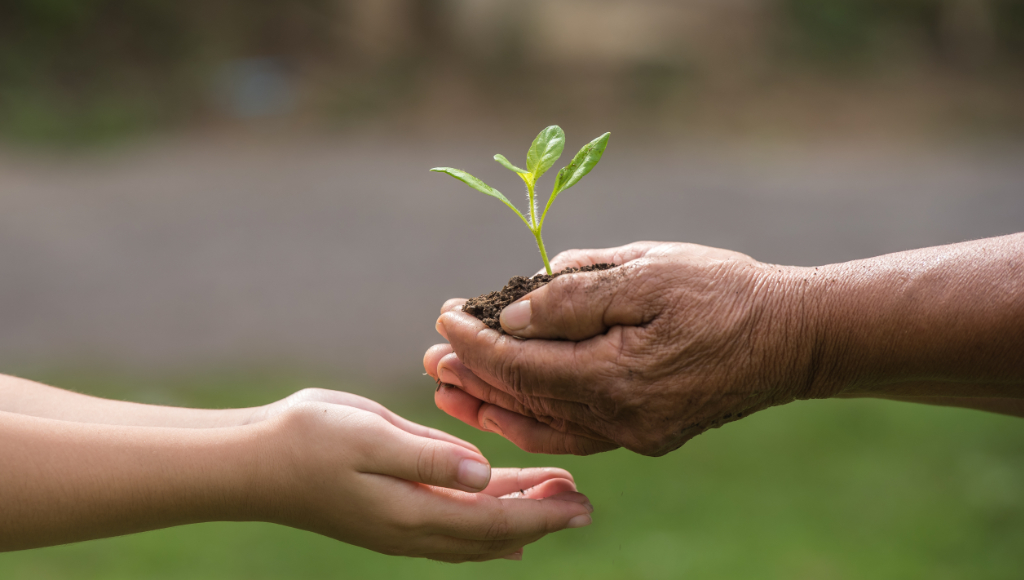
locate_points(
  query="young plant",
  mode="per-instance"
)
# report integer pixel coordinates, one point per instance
(543, 153)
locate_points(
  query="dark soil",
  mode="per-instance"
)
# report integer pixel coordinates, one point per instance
(487, 307)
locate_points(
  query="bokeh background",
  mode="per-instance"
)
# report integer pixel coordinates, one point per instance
(218, 203)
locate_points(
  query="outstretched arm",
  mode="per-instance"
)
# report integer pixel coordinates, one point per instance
(34, 399)
(336, 470)
(942, 325)
(66, 481)
(26, 397)
(683, 338)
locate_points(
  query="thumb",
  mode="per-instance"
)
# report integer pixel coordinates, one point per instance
(579, 306)
(427, 460)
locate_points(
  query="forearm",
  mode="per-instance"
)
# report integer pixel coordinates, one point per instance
(64, 482)
(1001, 405)
(940, 323)
(27, 397)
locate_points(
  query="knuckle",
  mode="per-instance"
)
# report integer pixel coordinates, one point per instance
(511, 372)
(570, 291)
(500, 527)
(645, 289)
(305, 394)
(560, 425)
(430, 462)
(303, 417)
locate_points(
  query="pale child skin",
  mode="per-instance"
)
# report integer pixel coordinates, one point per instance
(74, 467)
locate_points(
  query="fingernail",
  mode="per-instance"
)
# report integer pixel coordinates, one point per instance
(439, 327)
(446, 376)
(473, 474)
(517, 556)
(590, 508)
(491, 426)
(580, 521)
(516, 316)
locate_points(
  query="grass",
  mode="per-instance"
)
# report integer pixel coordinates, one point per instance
(822, 489)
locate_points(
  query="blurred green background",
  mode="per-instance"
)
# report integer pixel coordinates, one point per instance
(219, 203)
(94, 70)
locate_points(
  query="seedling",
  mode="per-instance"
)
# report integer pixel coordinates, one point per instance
(543, 153)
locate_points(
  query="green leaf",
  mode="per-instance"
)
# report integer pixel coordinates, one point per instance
(505, 163)
(480, 186)
(545, 150)
(471, 181)
(581, 165)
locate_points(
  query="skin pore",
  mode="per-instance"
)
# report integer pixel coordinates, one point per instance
(683, 338)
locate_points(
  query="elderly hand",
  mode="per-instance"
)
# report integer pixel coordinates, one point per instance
(683, 338)
(677, 340)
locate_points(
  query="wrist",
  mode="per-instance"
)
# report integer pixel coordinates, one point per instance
(221, 474)
(862, 313)
(287, 453)
(796, 326)
(949, 317)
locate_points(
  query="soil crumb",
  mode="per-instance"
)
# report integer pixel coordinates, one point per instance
(487, 307)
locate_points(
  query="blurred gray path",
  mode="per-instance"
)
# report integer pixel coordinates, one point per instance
(336, 254)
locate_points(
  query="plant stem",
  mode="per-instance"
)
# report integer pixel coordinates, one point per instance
(533, 206)
(535, 225)
(543, 252)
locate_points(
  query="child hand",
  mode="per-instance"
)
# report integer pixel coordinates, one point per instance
(352, 470)
(314, 395)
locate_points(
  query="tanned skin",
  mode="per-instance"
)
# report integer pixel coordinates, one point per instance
(683, 338)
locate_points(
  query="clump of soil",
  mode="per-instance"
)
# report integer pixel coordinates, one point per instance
(487, 307)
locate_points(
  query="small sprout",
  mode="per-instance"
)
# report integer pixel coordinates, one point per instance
(542, 156)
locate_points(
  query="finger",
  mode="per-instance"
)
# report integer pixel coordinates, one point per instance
(481, 517)
(580, 306)
(433, 356)
(449, 305)
(460, 559)
(410, 457)
(518, 555)
(458, 404)
(451, 371)
(351, 400)
(618, 256)
(452, 304)
(551, 369)
(535, 437)
(560, 489)
(464, 527)
(543, 490)
(528, 434)
(505, 480)
(457, 550)
(429, 432)
(558, 414)
(452, 549)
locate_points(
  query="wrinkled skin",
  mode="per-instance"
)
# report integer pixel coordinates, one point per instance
(678, 340)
